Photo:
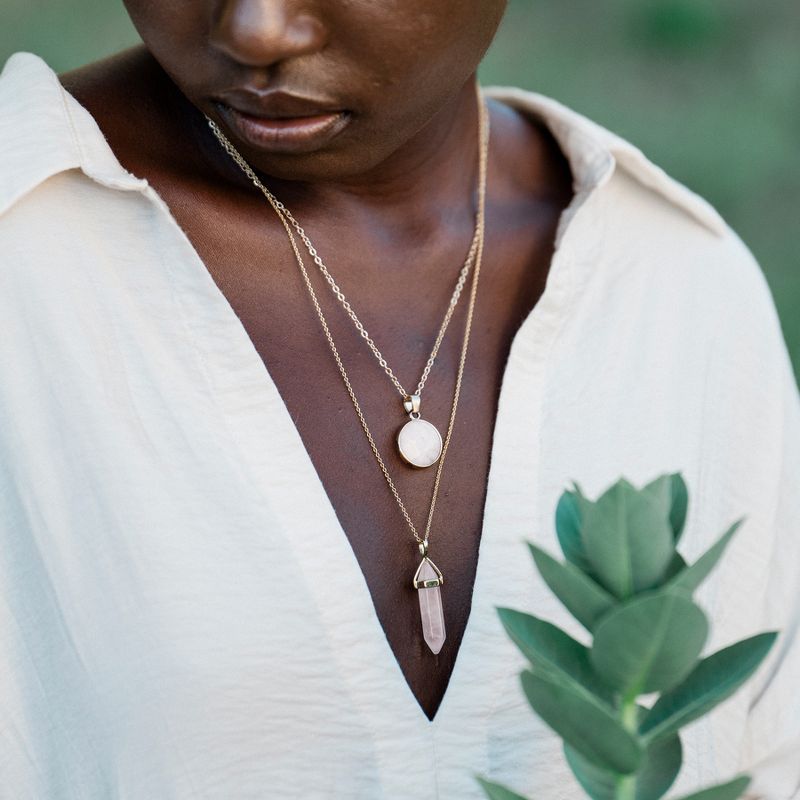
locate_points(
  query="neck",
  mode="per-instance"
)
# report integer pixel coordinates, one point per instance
(424, 171)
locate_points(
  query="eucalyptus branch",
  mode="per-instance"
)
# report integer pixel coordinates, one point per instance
(626, 583)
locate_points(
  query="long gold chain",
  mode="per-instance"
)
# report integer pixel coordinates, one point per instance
(475, 256)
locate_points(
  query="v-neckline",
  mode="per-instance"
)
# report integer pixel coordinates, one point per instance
(253, 413)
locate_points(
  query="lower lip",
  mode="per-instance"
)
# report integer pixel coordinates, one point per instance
(292, 135)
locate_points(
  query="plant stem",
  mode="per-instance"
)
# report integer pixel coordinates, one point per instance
(625, 788)
(629, 716)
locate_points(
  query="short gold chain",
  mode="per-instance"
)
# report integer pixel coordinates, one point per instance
(474, 257)
(462, 278)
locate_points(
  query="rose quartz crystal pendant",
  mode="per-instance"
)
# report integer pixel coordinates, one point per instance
(427, 581)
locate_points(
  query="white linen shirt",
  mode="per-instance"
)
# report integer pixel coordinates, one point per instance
(181, 614)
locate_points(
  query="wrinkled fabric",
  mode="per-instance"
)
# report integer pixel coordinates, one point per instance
(181, 614)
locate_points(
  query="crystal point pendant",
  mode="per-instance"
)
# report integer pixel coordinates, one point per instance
(427, 581)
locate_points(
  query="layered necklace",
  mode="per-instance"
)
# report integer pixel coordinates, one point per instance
(419, 442)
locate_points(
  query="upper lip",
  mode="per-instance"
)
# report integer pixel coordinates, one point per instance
(277, 104)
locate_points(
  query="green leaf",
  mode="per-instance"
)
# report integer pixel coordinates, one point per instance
(660, 766)
(679, 506)
(598, 783)
(676, 566)
(582, 597)
(649, 644)
(549, 648)
(690, 578)
(660, 490)
(494, 791)
(723, 791)
(671, 494)
(627, 539)
(713, 680)
(583, 721)
(568, 528)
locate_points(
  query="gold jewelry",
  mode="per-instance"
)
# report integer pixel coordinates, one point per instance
(418, 441)
(428, 578)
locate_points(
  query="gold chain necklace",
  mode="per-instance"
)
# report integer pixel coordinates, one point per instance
(428, 577)
(418, 441)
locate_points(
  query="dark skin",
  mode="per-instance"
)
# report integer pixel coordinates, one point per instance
(388, 202)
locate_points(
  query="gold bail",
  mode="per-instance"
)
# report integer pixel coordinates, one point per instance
(428, 575)
(411, 404)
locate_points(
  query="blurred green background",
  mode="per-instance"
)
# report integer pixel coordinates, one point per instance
(708, 89)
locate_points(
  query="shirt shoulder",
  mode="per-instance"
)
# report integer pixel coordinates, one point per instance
(34, 126)
(658, 236)
(596, 154)
(45, 132)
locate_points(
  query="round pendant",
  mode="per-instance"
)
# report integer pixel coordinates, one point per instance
(419, 442)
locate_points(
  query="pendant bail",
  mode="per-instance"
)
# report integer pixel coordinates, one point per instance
(411, 404)
(428, 575)
(423, 547)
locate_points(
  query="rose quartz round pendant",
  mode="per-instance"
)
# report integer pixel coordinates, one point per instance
(420, 443)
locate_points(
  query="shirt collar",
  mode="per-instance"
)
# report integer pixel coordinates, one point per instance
(45, 131)
(595, 153)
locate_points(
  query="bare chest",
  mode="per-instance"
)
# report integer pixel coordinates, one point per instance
(262, 282)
